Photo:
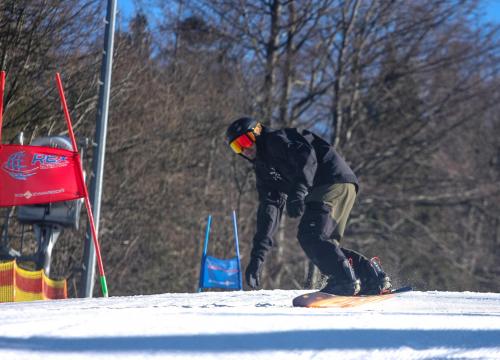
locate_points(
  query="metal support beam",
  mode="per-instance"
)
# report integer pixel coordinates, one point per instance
(99, 148)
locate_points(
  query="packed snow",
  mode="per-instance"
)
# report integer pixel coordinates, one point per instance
(252, 325)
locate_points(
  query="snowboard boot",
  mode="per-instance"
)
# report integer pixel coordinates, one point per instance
(376, 282)
(345, 283)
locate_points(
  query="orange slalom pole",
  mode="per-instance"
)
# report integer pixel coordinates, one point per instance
(104, 286)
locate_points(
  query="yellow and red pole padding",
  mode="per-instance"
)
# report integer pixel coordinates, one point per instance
(104, 286)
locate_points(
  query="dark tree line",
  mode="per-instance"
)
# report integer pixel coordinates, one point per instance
(406, 91)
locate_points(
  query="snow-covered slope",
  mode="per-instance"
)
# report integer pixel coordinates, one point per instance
(252, 325)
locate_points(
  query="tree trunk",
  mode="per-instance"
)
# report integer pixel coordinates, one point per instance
(271, 61)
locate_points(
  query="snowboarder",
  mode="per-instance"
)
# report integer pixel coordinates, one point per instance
(299, 170)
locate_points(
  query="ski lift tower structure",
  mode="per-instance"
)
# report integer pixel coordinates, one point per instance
(99, 148)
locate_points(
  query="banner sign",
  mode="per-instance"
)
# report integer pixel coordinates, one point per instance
(41, 175)
(38, 175)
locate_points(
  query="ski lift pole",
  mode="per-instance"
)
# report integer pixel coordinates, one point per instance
(96, 182)
(104, 286)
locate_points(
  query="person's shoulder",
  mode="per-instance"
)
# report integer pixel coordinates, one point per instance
(288, 135)
(297, 131)
(313, 137)
(275, 134)
(298, 134)
(291, 132)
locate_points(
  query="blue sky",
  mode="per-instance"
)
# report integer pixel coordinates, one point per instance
(491, 7)
(126, 7)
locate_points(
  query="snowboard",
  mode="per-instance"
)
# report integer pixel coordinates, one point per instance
(323, 300)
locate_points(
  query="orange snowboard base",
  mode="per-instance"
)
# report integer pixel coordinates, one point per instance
(322, 300)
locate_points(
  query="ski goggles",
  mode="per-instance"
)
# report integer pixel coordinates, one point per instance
(244, 141)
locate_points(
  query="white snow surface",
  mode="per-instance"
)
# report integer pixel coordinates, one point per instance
(252, 325)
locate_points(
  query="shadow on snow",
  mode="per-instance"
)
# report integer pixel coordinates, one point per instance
(267, 341)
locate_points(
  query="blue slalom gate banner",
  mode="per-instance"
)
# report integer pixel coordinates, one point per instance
(220, 273)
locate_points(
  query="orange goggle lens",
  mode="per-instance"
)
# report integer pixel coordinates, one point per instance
(244, 141)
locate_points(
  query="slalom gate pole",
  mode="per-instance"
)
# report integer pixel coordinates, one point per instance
(204, 255)
(104, 286)
(2, 89)
(235, 224)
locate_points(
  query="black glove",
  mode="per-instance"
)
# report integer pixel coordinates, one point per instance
(252, 273)
(295, 203)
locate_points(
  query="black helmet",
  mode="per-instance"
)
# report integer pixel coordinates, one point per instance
(240, 127)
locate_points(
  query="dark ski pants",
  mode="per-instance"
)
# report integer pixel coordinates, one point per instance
(323, 224)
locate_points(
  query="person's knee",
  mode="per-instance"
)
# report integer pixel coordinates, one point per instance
(316, 221)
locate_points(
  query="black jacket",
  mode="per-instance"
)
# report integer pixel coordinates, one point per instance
(288, 161)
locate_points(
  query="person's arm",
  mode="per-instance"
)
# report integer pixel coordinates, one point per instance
(302, 159)
(268, 218)
(301, 166)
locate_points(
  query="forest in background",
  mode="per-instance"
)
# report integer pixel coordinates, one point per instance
(408, 92)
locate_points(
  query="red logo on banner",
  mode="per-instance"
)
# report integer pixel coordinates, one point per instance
(37, 175)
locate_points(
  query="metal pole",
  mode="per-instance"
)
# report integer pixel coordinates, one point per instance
(85, 192)
(235, 224)
(205, 248)
(99, 148)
